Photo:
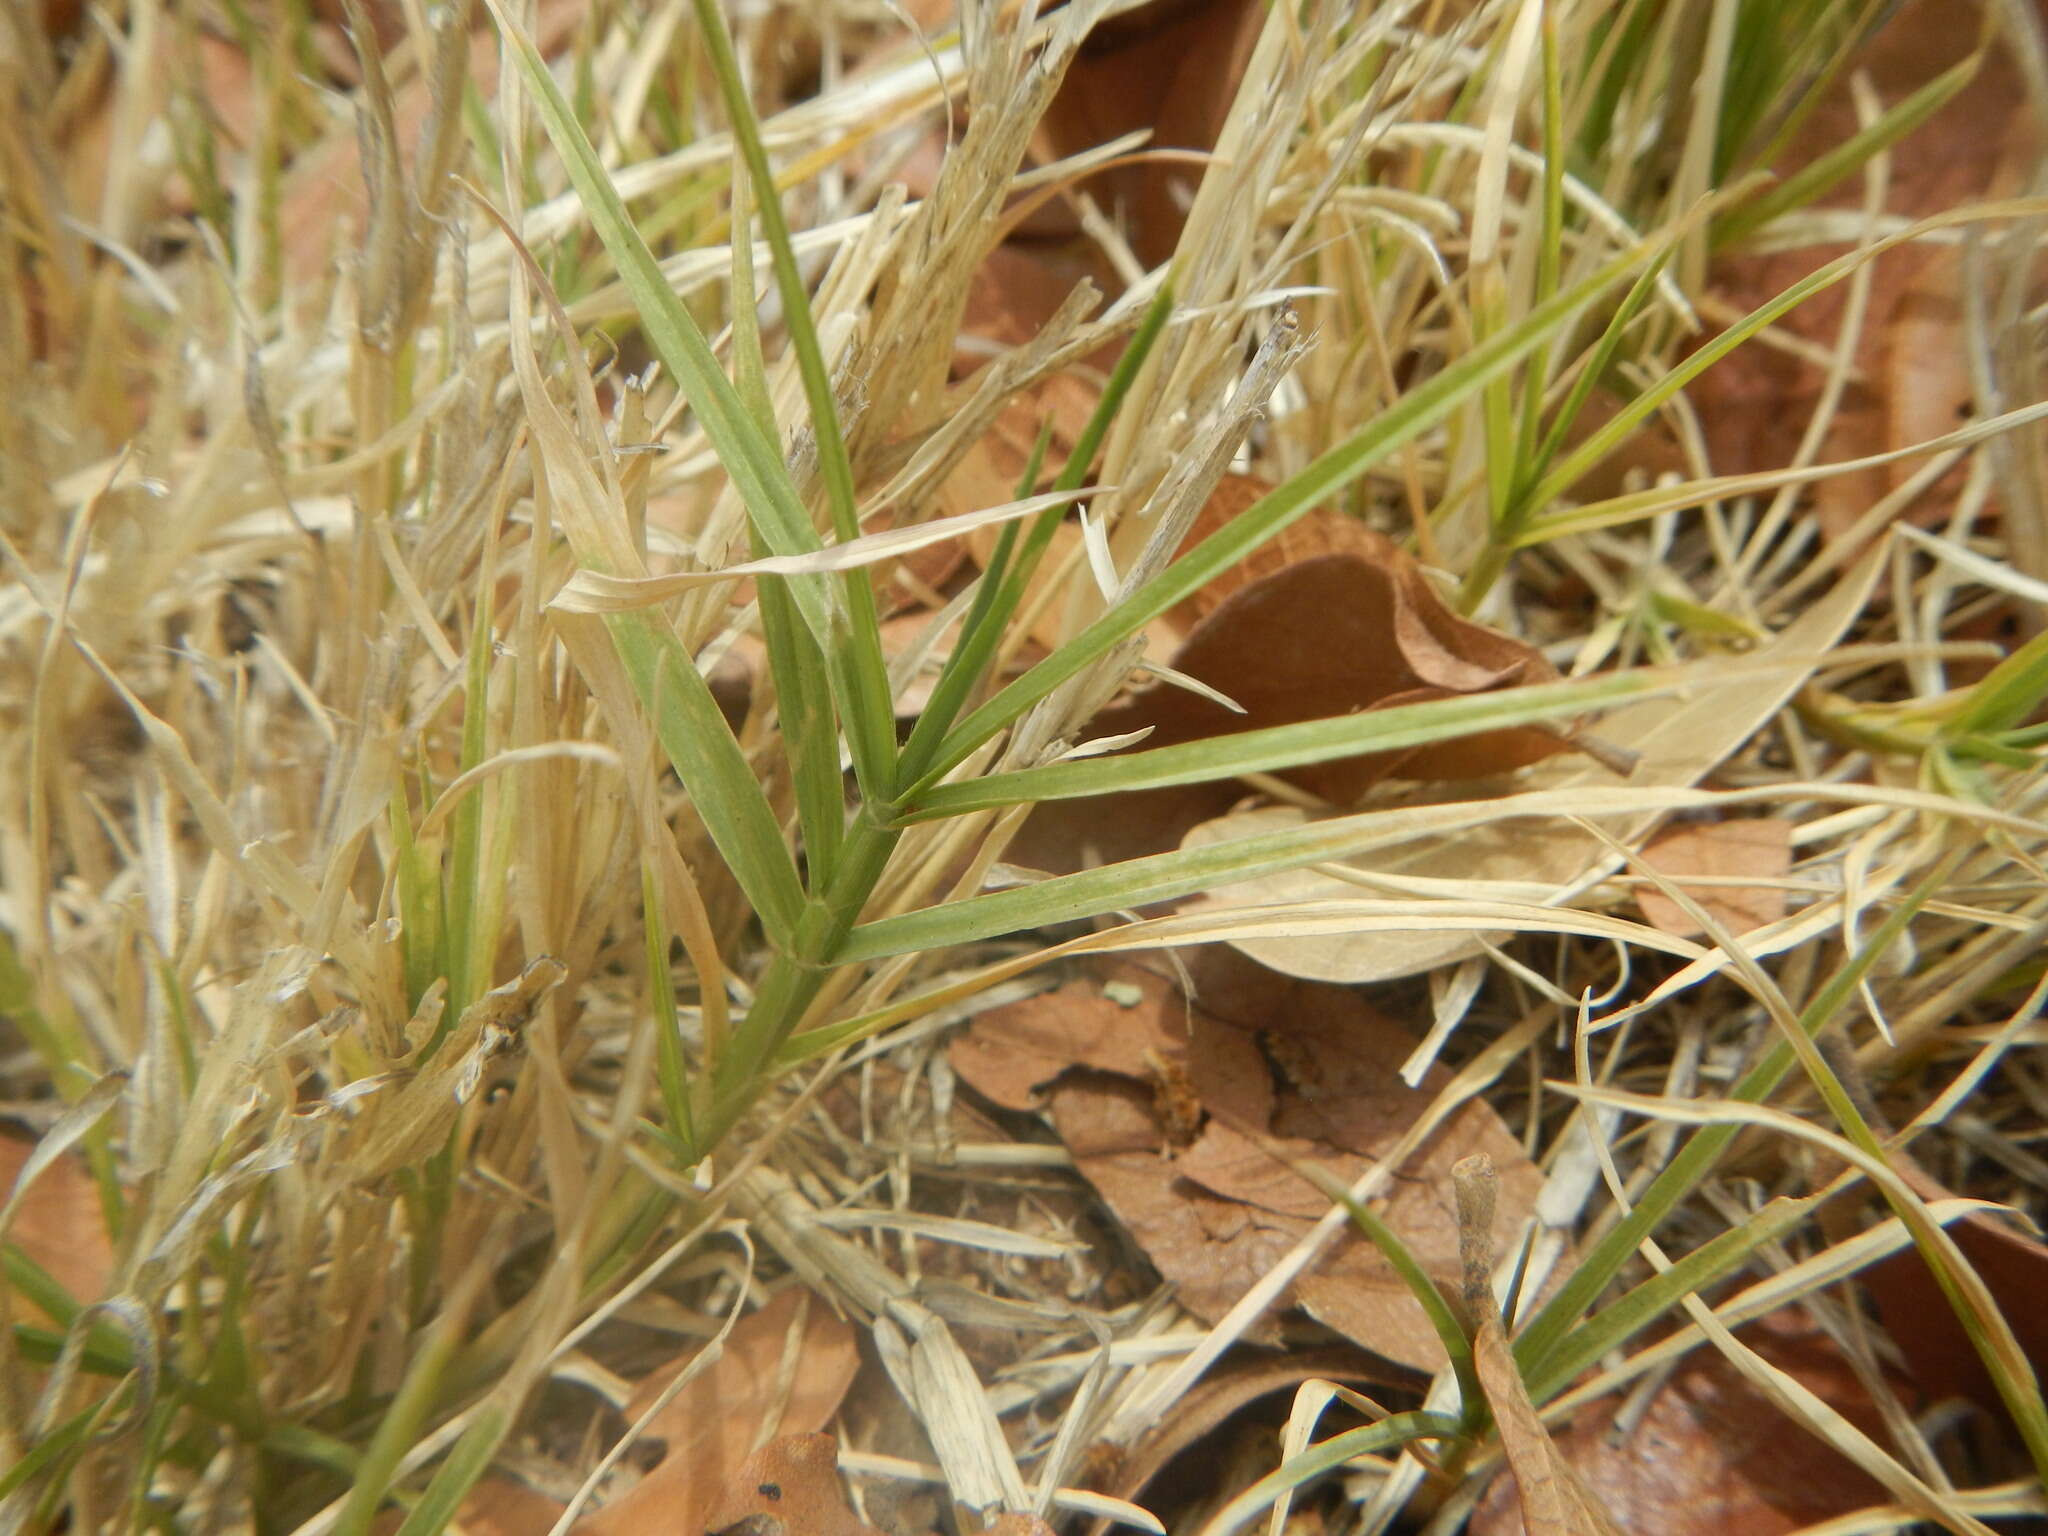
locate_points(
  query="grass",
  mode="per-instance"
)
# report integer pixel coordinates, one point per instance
(424, 949)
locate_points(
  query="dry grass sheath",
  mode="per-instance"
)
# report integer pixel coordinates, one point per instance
(460, 857)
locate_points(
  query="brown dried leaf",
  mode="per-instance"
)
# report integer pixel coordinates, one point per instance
(789, 1487)
(59, 1223)
(1112, 1022)
(784, 1370)
(1554, 1501)
(1710, 1456)
(1937, 1351)
(1332, 635)
(500, 1506)
(1335, 635)
(1216, 1217)
(1171, 69)
(1758, 848)
(1323, 531)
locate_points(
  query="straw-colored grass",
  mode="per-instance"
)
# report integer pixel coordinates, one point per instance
(436, 888)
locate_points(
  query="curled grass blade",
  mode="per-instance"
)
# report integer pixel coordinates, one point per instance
(1540, 1344)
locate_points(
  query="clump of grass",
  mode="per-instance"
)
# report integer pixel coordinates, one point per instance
(422, 945)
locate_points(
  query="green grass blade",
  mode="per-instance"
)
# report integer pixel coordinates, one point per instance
(663, 675)
(981, 631)
(1290, 746)
(1621, 1320)
(1822, 175)
(1449, 1332)
(869, 720)
(810, 729)
(453, 1479)
(810, 734)
(1008, 578)
(1415, 412)
(1541, 1343)
(1632, 415)
(693, 732)
(672, 1071)
(747, 455)
(1116, 887)
(2006, 695)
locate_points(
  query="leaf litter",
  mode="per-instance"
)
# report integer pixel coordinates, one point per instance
(1180, 1117)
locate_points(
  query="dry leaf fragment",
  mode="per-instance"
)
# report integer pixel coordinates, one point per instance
(1555, 1502)
(1758, 848)
(783, 1371)
(789, 1487)
(59, 1223)
(1216, 1215)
